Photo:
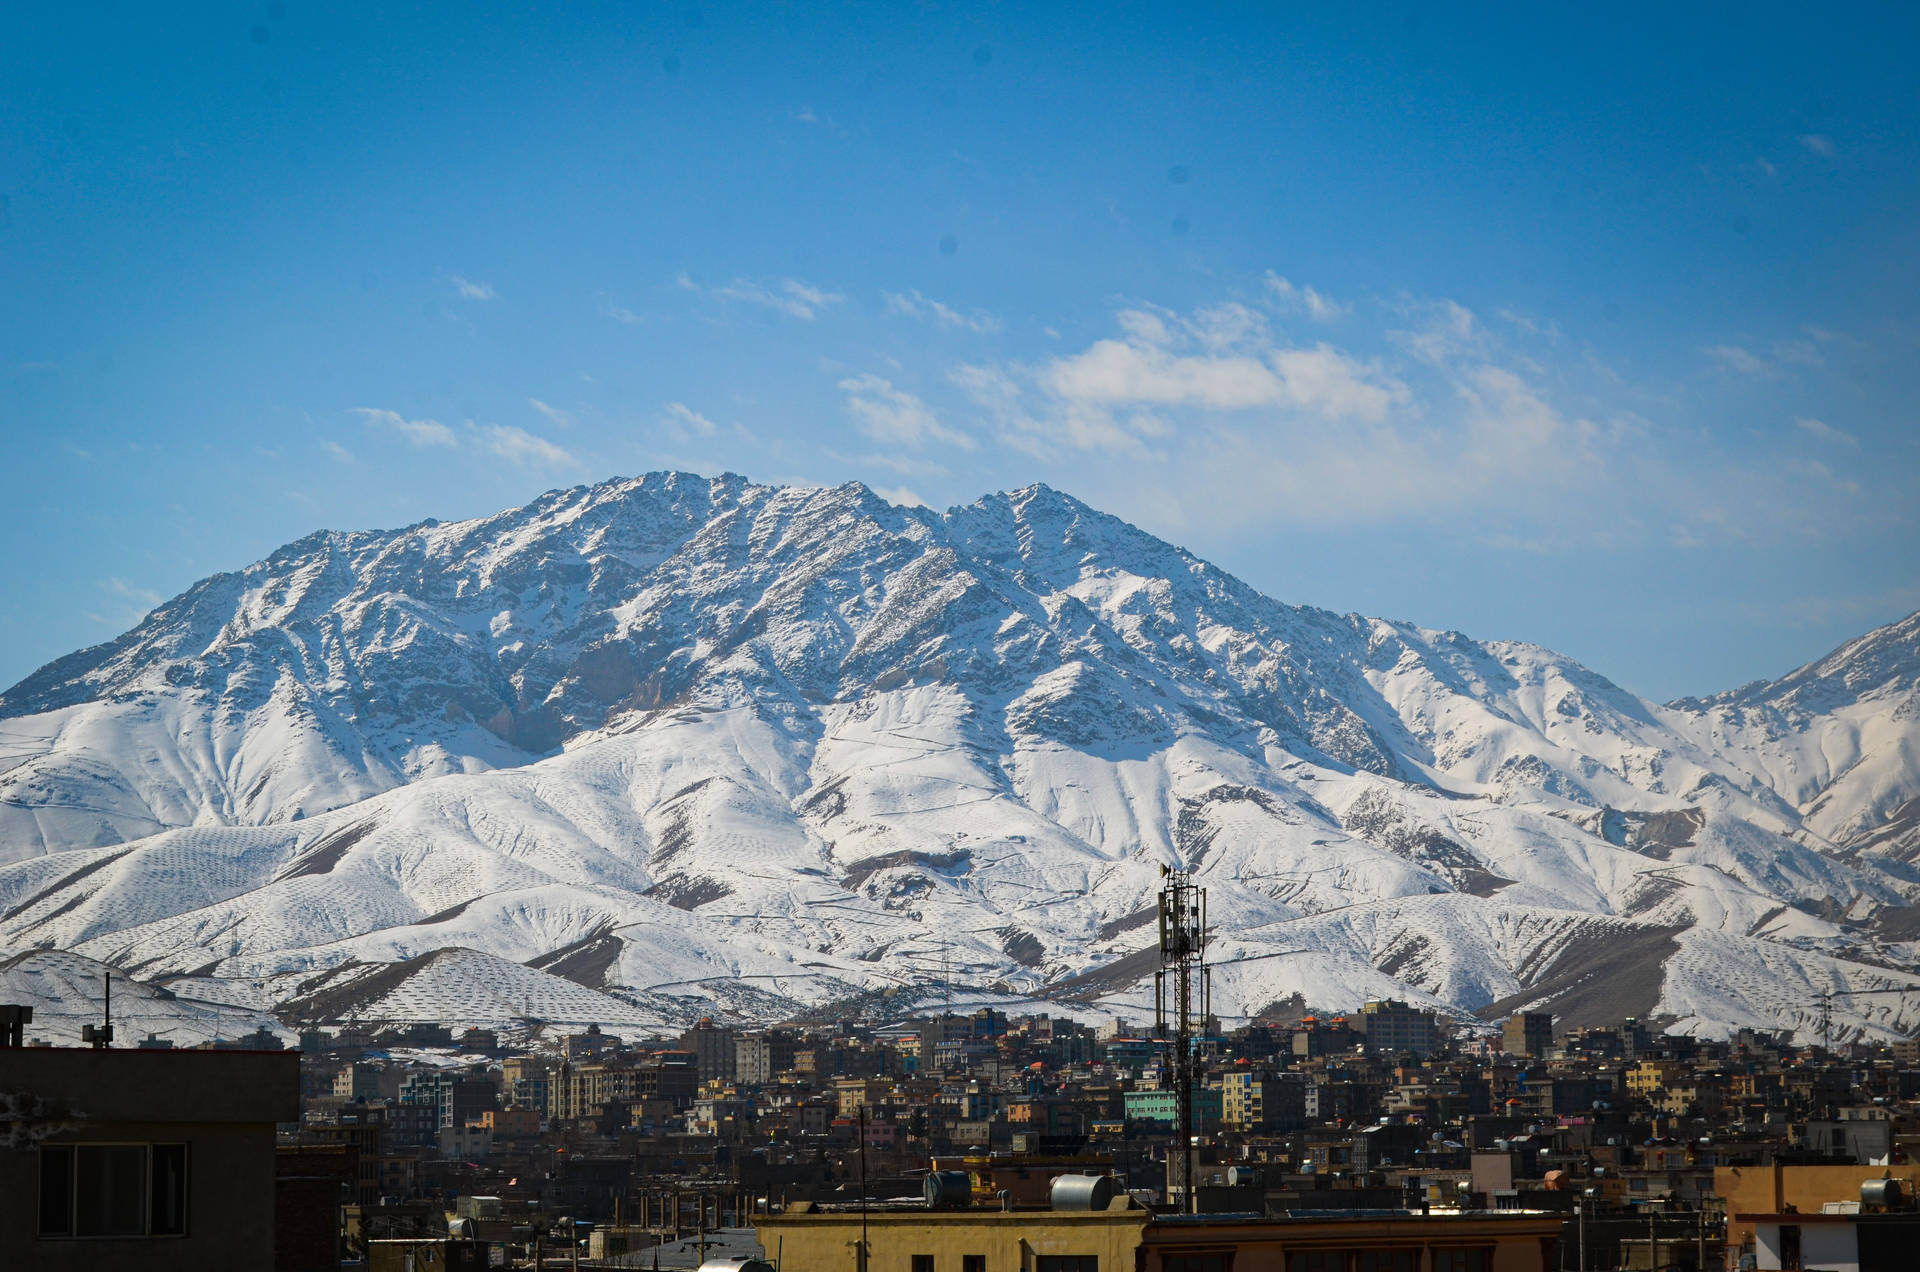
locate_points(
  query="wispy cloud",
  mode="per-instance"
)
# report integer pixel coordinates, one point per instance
(888, 414)
(1739, 359)
(691, 421)
(1826, 432)
(1317, 306)
(1819, 472)
(788, 296)
(553, 414)
(338, 451)
(523, 449)
(467, 289)
(130, 592)
(1170, 361)
(1819, 144)
(127, 604)
(418, 432)
(900, 495)
(620, 313)
(913, 304)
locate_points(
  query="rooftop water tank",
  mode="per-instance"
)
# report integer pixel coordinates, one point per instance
(949, 1190)
(1083, 1192)
(1880, 1192)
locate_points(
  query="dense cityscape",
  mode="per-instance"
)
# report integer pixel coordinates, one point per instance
(959, 637)
(1599, 1148)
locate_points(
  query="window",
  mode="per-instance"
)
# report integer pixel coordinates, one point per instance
(1196, 1263)
(1067, 1263)
(922, 1263)
(1385, 1261)
(1480, 1260)
(113, 1190)
(973, 1263)
(1317, 1261)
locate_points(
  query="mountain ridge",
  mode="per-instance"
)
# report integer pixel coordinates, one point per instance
(754, 706)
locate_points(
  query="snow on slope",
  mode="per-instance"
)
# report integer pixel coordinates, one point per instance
(66, 992)
(1839, 739)
(761, 749)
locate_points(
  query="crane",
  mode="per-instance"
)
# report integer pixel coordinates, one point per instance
(1826, 1005)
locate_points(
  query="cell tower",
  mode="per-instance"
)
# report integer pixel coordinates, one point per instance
(1183, 971)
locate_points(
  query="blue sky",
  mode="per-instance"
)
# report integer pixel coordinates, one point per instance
(1594, 329)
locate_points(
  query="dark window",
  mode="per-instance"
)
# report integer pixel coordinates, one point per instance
(1385, 1261)
(109, 1190)
(1317, 1261)
(1067, 1263)
(922, 1263)
(168, 1200)
(1480, 1260)
(113, 1190)
(56, 1192)
(973, 1263)
(1196, 1263)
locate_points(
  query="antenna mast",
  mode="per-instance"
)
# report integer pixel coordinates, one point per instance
(1183, 941)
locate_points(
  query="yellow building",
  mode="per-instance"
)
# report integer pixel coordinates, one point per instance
(1649, 1077)
(921, 1240)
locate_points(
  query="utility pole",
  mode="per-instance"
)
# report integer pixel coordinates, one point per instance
(101, 1035)
(1580, 1210)
(1183, 941)
(862, 1264)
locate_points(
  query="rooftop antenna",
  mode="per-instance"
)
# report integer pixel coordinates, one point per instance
(1183, 942)
(100, 1036)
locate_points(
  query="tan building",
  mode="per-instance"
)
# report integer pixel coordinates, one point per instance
(920, 1240)
(1528, 1033)
(1752, 1191)
(1126, 1238)
(853, 1094)
(141, 1159)
(1650, 1077)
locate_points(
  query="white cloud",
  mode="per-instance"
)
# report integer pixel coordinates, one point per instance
(1736, 358)
(1826, 432)
(1444, 331)
(418, 432)
(887, 414)
(470, 290)
(521, 448)
(621, 314)
(1144, 372)
(128, 591)
(789, 296)
(685, 417)
(1821, 473)
(988, 386)
(913, 304)
(900, 495)
(338, 451)
(554, 414)
(1819, 145)
(1318, 307)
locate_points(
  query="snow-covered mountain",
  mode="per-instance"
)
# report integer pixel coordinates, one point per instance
(701, 744)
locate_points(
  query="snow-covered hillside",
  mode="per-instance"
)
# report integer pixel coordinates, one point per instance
(701, 744)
